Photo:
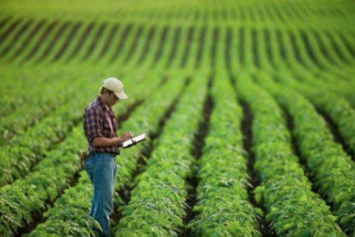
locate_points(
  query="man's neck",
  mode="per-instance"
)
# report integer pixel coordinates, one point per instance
(104, 100)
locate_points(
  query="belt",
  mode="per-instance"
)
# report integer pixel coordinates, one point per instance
(84, 155)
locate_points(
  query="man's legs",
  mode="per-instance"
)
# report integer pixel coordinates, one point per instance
(102, 169)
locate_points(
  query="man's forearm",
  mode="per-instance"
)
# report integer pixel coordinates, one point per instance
(105, 142)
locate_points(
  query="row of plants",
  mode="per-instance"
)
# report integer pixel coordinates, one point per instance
(333, 82)
(332, 170)
(25, 150)
(148, 119)
(145, 118)
(11, 31)
(28, 87)
(69, 215)
(30, 195)
(293, 209)
(81, 41)
(52, 174)
(296, 49)
(36, 109)
(336, 107)
(128, 46)
(158, 201)
(223, 207)
(308, 67)
(22, 152)
(70, 34)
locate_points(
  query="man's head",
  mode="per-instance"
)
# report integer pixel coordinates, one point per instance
(112, 91)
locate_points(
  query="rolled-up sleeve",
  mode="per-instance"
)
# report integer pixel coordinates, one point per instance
(93, 124)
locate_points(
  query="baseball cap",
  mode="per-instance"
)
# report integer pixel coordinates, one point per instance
(115, 85)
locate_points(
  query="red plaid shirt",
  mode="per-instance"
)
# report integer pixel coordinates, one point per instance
(100, 121)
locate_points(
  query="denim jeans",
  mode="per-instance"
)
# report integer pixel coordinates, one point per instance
(101, 168)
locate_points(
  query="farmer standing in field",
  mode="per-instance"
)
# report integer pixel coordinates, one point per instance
(100, 130)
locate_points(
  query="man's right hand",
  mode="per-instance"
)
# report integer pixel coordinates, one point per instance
(125, 136)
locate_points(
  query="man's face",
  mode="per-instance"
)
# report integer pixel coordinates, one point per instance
(111, 99)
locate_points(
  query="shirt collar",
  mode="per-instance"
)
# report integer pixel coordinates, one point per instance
(101, 103)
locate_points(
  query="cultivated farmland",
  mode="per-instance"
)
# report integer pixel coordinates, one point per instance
(249, 108)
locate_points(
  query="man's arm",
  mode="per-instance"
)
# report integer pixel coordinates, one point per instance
(116, 141)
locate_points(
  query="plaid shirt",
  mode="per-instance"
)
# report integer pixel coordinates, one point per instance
(100, 121)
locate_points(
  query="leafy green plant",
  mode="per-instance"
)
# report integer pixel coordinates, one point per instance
(326, 160)
(126, 164)
(158, 201)
(222, 207)
(336, 107)
(292, 206)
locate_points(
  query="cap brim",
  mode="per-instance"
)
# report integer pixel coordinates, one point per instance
(121, 95)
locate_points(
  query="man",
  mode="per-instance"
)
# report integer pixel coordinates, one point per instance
(100, 130)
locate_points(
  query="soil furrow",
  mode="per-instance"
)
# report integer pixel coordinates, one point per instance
(67, 42)
(309, 49)
(121, 42)
(108, 42)
(96, 38)
(199, 143)
(10, 29)
(40, 41)
(28, 39)
(187, 46)
(17, 36)
(147, 43)
(227, 48)
(350, 47)
(38, 216)
(133, 46)
(214, 47)
(296, 50)
(241, 46)
(55, 39)
(161, 45)
(174, 46)
(338, 138)
(267, 40)
(125, 193)
(336, 48)
(201, 40)
(4, 21)
(255, 48)
(82, 40)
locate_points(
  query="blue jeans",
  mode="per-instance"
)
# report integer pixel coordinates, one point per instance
(101, 168)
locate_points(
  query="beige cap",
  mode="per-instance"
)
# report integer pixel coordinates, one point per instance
(115, 85)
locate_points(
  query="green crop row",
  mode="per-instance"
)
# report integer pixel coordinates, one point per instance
(144, 119)
(223, 208)
(158, 201)
(332, 169)
(81, 41)
(31, 87)
(336, 107)
(34, 186)
(131, 44)
(29, 195)
(147, 120)
(293, 209)
(24, 151)
(69, 215)
(49, 97)
(334, 82)
(298, 13)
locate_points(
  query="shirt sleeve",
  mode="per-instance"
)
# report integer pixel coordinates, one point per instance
(93, 123)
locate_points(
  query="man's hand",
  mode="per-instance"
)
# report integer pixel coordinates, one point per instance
(125, 136)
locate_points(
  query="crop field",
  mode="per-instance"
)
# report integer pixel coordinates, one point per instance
(249, 109)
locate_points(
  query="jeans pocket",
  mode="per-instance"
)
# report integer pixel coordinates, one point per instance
(89, 163)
